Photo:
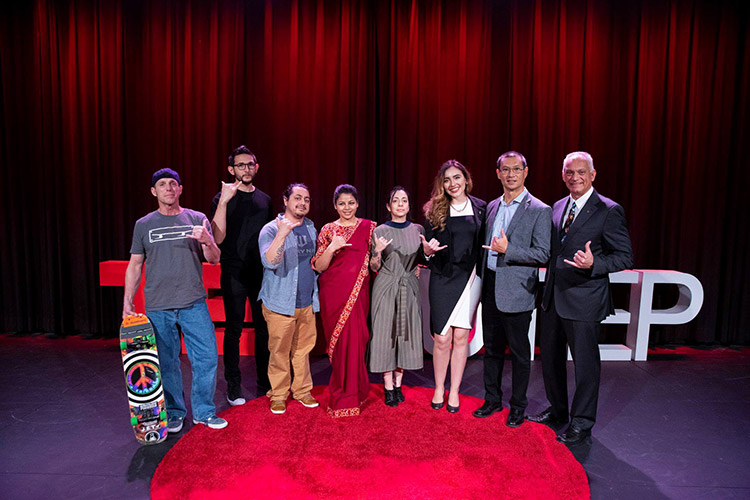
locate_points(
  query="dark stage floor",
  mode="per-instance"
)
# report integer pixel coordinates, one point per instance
(676, 426)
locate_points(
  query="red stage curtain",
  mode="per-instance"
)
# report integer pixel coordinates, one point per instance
(97, 95)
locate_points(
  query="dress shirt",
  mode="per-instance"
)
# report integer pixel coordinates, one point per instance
(580, 202)
(505, 213)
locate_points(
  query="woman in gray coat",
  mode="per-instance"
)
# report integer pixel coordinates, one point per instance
(396, 343)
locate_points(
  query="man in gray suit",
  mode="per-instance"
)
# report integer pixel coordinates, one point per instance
(517, 243)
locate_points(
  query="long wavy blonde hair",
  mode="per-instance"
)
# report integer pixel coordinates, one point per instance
(436, 209)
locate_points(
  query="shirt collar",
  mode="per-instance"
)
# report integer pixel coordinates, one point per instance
(580, 202)
(397, 225)
(518, 199)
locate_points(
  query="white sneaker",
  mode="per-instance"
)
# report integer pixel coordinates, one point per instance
(236, 402)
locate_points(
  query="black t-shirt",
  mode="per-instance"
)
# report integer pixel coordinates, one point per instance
(247, 213)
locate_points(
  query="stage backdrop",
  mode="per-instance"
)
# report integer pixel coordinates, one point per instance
(98, 95)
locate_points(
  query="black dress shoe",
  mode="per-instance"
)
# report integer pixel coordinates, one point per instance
(515, 417)
(399, 395)
(437, 406)
(487, 409)
(574, 435)
(390, 397)
(548, 419)
(452, 409)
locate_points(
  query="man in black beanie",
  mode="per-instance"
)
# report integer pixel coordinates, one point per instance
(172, 239)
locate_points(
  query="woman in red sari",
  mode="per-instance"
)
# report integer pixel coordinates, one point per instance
(343, 259)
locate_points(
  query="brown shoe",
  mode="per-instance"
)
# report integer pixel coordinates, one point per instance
(278, 407)
(309, 401)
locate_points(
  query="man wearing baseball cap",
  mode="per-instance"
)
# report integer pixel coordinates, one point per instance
(173, 239)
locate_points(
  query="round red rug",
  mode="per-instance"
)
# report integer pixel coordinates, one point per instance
(410, 451)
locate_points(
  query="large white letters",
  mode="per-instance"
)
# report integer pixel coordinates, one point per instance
(639, 318)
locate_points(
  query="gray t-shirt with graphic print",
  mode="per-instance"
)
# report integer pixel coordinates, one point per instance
(174, 273)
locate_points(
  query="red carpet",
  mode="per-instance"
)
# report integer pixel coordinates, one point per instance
(407, 452)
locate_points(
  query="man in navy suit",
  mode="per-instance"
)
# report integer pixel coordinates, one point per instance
(517, 242)
(589, 240)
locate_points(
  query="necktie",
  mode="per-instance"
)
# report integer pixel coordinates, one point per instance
(568, 222)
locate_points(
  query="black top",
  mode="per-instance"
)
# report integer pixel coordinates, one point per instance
(464, 251)
(247, 213)
(443, 262)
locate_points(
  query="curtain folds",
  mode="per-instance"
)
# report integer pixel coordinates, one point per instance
(96, 95)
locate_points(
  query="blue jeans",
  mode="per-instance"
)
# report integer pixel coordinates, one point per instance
(200, 340)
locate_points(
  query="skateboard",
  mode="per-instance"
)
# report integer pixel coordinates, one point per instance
(140, 361)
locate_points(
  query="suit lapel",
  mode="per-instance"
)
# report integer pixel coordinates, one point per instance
(557, 214)
(591, 206)
(520, 211)
(478, 218)
(491, 214)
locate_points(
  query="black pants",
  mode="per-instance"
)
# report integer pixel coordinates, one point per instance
(583, 339)
(236, 289)
(500, 329)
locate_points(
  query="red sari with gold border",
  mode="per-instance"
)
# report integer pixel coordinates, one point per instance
(344, 305)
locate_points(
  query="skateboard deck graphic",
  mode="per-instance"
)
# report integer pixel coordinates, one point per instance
(140, 358)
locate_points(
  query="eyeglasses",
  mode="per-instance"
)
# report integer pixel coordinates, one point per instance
(515, 170)
(244, 166)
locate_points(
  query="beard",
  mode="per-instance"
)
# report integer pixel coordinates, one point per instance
(245, 179)
(300, 212)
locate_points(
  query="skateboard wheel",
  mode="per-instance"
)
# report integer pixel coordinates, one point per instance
(133, 420)
(123, 344)
(163, 415)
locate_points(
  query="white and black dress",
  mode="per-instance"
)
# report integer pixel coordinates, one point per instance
(455, 287)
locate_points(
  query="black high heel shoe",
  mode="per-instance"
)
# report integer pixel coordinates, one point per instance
(390, 397)
(399, 395)
(453, 409)
(437, 406)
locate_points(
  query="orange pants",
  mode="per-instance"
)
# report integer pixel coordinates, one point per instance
(290, 340)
